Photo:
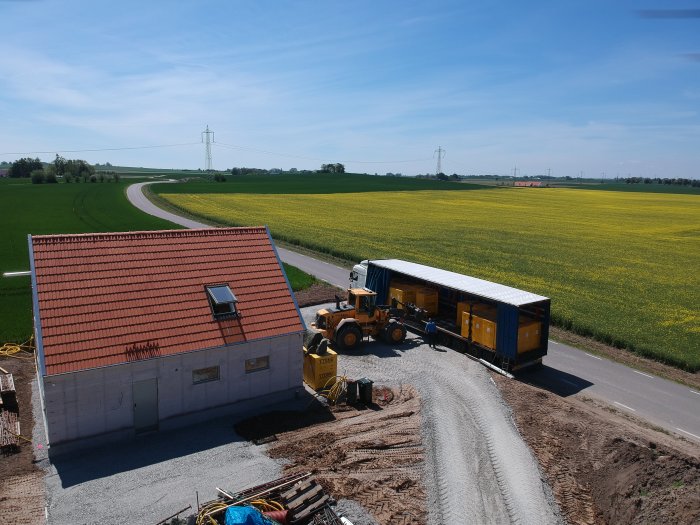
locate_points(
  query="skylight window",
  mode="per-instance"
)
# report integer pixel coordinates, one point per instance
(222, 301)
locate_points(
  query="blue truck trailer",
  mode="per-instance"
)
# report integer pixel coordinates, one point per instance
(501, 325)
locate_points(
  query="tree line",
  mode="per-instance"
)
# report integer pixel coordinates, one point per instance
(695, 183)
(68, 170)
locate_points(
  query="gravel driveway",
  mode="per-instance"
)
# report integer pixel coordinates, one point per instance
(478, 469)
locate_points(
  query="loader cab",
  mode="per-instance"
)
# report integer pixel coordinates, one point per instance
(364, 301)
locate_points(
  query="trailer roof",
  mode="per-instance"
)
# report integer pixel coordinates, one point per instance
(463, 283)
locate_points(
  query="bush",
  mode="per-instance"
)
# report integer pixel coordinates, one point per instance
(51, 178)
(38, 177)
(93, 178)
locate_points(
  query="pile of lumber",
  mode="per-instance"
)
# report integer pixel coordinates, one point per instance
(9, 419)
(292, 500)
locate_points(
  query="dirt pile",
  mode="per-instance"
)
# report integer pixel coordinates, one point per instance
(371, 455)
(603, 466)
(318, 293)
(21, 482)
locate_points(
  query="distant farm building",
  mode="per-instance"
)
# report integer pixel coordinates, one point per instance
(135, 330)
(528, 183)
(4, 172)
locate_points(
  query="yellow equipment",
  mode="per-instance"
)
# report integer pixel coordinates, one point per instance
(360, 316)
(320, 369)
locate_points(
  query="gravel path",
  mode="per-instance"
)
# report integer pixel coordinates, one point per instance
(478, 469)
(145, 480)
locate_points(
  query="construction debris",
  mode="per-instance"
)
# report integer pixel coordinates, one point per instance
(7, 383)
(9, 419)
(9, 431)
(296, 499)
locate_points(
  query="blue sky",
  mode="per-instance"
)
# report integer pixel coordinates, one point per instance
(570, 86)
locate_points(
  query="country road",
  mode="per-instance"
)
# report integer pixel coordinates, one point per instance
(566, 371)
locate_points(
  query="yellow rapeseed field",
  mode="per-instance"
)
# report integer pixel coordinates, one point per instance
(624, 267)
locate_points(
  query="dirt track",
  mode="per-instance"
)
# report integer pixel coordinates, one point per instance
(371, 455)
(477, 467)
(604, 466)
(21, 482)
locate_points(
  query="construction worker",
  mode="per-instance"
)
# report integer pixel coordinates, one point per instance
(431, 332)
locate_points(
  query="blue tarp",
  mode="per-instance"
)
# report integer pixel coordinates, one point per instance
(245, 516)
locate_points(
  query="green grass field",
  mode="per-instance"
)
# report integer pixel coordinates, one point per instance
(639, 188)
(621, 266)
(313, 183)
(64, 208)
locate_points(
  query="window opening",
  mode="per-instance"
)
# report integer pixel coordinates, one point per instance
(257, 363)
(204, 375)
(222, 301)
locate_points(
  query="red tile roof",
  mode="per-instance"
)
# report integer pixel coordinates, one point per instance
(110, 298)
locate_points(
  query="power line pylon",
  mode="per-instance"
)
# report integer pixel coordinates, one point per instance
(440, 154)
(207, 148)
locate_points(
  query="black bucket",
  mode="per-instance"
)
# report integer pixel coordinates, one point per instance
(365, 390)
(351, 395)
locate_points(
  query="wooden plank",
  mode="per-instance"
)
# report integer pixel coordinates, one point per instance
(9, 428)
(7, 383)
(298, 487)
(299, 499)
(310, 509)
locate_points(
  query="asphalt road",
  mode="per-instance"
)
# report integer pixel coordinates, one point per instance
(566, 371)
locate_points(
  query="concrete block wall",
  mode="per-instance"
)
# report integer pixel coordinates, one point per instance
(93, 402)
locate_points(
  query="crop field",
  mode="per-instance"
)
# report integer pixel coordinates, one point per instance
(64, 208)
(313, 183)
(621, 266)
(53, 208)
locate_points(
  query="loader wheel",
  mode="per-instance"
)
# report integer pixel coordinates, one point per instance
(349, 337)
(395, 333)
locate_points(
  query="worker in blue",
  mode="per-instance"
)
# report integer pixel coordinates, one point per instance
(431, 332)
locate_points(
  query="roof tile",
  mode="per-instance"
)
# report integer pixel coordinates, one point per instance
(103, 297)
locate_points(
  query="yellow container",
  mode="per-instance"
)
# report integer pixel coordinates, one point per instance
(529, 335)
(427, 298)
(461, 307)
(320, 369)
(480, 309)
(402, 293)
(483, 327)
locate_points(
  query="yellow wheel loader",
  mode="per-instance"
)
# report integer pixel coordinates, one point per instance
(348, 323)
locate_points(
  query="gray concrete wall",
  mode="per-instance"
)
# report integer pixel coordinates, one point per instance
(98, 401)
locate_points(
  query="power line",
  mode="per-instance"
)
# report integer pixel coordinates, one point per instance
(266, 152)
(98, 149)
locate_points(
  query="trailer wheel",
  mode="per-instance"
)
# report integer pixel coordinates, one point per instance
(349, 337)
(395, 333)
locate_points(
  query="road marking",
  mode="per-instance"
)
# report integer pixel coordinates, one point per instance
(593, 356)
(642, 374)
(624, 406)
(689, 433)
(569, 382)
(694, 392)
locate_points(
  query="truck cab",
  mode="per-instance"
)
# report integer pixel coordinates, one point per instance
(358, 275)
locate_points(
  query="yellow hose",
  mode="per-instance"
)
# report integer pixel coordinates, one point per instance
(267, 505)
(336, 390)
(10, 349)
(204, 519)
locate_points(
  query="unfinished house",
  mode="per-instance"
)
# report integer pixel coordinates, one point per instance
(135, 330)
